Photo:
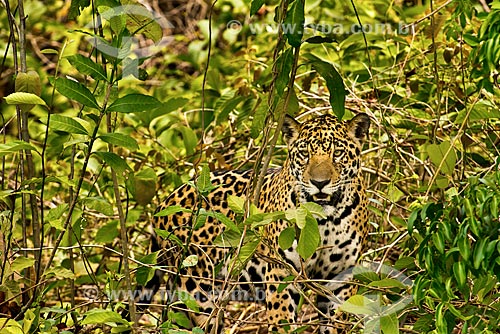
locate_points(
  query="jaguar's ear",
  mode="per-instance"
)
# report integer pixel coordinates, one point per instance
(290, 130)
(358, 127)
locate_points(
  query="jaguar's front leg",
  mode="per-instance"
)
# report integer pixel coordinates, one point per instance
(281, 304)
(336, 321)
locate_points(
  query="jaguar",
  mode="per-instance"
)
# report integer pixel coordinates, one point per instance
(323, 166)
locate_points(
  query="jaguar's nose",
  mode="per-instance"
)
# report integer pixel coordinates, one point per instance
(320, 184)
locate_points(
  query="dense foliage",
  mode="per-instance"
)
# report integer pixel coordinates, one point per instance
(105, 110)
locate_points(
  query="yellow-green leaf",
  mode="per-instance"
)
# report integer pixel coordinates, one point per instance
(22, 98)
(21, 263)
(444, 155)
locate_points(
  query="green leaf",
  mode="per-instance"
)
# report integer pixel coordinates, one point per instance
(54, 216)
(460, 273)
(168, 235)
(286, 238)
(181, 319)
(261, 219)
(27, 83)
(293, 25)
(237, 204)
(114, 161)
(406, 263)
(389, 324)
(170, 210)
(227, 106)
(394, 193)
(60, 273)
(76, 6)
(22, 98)
(388, 283)
(203, 182)
(255, 6)
(142, 185)
(145, 273)
(189, 138)
(171, 104)
(15, 146)
(57, 212)
(190, 261)
(479, 252)
(107, 233)
(441, 323)
(470, 39)
(99, 204)
(259, 118)
(21, 263)
(359, 305)
(100, 316)
(365, 276)
(284, 65)
(314, 209)
(140, 20)
(334, 83)
(134, 103)
(222, 218)
(228, 239)
(121, 140)
(188, 300)
(66, 124)
(443, 153)
(297, 215)
(285, 282)
(87, 66)
(28, 318)
(464, 246)
(438, 241)
(246, 252)
(76, 91)
(414, 217)
(10, 326)
(309, 238)
(481, 110)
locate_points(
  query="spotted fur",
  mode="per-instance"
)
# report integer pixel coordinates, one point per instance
(323, 166)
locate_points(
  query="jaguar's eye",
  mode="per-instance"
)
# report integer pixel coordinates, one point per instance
(338, 153)
(302, 153)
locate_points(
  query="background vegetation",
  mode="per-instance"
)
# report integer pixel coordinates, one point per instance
(100, 138)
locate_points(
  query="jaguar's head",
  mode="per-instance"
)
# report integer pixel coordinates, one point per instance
(324, 155)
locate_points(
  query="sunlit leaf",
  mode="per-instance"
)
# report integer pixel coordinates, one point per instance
(66, 124)
(145, 273)
(15, 146)
(76, 91)
(286, 238)
(28, 82)
(114, 161)
(284, 66)
(107, 233)
(309, 238)
(87, 66)
(101, 316)
(293, 26)
(21, 263)
(443, 155)
(22, 98)
(134, 103)
(190, 261)
(334, 83)
(120, 140)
